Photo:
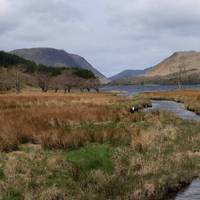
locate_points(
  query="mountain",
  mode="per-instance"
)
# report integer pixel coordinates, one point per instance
(127, 74)
(189, 60)
(18, 72)
(57, 58)
(184, 63)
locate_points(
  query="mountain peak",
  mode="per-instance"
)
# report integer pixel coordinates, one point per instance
(190, 59)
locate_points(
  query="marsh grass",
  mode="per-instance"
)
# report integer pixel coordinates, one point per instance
(89, 146)
(61, 121)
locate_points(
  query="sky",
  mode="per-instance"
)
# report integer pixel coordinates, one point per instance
(113, 35)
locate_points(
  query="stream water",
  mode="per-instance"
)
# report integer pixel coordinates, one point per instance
(192, 193)
(177, 108)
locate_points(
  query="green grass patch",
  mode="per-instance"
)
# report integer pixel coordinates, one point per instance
(93, 157)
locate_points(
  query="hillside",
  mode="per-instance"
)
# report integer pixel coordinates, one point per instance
(190, 60)
(58, 58)
(127, 74)
(17, 72)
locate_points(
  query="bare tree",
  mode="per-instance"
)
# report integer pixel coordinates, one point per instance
(65, 81)
(18, 83)
(10, 78)
(43, 81)
(5, 81)
(69, 82)
(96, 84)
(88, 84)
(180, 74)
(55, 84)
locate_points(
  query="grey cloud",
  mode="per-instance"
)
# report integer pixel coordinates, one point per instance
(113, 35)
(7, 26)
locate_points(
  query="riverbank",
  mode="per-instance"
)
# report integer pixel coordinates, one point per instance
(89, 146)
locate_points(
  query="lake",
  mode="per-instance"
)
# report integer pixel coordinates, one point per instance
(135, 89)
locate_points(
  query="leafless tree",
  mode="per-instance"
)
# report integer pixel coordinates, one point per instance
(96, 84)
(18, 81)
(181, 72)
(55, 84)
(88, 84)
(43, 81)
(65, 81)
(10, 78)
(5, 81)
(69, 81)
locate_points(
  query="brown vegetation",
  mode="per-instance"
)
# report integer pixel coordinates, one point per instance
(89, 146)
(58, 120)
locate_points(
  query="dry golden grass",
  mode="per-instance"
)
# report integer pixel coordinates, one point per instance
(60, 120)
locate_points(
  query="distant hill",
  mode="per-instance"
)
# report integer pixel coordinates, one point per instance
(57, 58)
(127, 74)
(166, 72)
(190, 60)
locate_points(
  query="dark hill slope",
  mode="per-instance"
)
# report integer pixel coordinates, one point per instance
(57, 58)
(127, 74)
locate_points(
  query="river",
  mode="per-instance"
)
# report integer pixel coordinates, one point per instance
(193, 191)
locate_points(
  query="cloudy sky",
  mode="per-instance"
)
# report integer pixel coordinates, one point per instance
(113, 35)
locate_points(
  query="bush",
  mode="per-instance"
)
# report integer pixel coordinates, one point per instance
(84, 73)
